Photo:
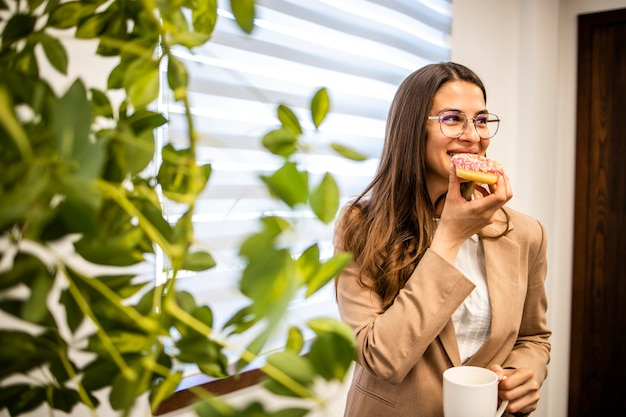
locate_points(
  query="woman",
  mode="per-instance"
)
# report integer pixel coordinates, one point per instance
(443, 273)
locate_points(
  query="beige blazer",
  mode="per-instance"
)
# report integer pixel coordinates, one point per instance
(403, 351)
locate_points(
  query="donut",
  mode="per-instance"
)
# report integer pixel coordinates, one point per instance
(477, 168)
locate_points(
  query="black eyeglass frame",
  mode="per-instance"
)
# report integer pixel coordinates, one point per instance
(491, 117)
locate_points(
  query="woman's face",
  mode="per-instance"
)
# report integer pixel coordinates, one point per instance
(454, 95)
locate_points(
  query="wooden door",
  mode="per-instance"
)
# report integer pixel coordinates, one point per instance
(598, 332)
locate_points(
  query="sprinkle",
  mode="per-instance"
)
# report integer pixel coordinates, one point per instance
(475, 162)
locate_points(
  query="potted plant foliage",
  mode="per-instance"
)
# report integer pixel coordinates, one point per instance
(74, 170)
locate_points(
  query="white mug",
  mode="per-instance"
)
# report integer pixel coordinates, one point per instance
(471, 391)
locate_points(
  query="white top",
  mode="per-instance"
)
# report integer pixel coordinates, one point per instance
(472, 320)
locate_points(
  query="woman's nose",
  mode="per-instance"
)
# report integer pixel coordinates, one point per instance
(470, 133)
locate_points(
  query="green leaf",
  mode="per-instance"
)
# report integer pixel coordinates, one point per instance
(145, 89)
(295, 340)
(327, 271)
(204, 16)
(288, 184)
(58, 370)
(21, 352)
(202, 313)
(115, 246)
(16, 308)
(241, 321)
(292, 365)
(186, 301)
(269, 281)
(289, 120)
(116, 33)
(177, 77)
(198, 261)
(254, 246)
(182, 180)
(280, 142)
(17, 27)
(55, 52)
(153, 214)
(164, 388)
(320, 106)
(348, 152)
(123, 392)
(116, 76)
(244, 12)
(322, 325)
(324, 199)
(94, 25)
(21, 398)
(101, 103)
(255, 347)
(181, 239)
(205, 353)
(145, 120)
(99, 374)
(12, 126)
(72, 122)
(78, 212)
(141, 82)
(64, 399)
(130, 152)
(190, 39)
(68, 14)
(173, 16)
(24, 270)
(130, 342)
(215, 407)
(25, 61)
(290, 412)
(308, 262)
(35, 309)
(73, 312)
(331, 356)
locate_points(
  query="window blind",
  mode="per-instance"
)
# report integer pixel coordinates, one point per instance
(359, 50)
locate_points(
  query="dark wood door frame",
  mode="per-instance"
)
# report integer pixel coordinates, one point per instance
(598, 322)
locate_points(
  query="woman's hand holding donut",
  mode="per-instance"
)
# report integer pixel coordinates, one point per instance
(461, 219)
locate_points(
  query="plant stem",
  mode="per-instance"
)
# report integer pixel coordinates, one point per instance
(119, 196)
(248, 356)
(102, 334)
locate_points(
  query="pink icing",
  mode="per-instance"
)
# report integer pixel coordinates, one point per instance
(475, 162)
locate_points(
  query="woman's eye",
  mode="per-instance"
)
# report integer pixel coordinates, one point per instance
(451, 119)
(482, 120)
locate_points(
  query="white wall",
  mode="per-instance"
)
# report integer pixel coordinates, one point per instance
(531, 83)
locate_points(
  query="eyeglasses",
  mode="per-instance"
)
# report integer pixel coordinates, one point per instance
(453, 123)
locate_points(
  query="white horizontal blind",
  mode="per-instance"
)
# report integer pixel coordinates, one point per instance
(359, 50)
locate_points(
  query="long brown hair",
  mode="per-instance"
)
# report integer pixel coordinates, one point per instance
(389, 226)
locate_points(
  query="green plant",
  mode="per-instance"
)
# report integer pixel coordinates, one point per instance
(73, 164)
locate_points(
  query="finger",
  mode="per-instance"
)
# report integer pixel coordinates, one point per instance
(454, 182)
(509, 189)
(499, 371)
(502, 189)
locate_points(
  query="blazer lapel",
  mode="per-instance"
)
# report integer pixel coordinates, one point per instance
(448, 341)
(501, 261)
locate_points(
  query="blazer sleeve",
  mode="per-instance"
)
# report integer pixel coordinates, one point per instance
(391, 341)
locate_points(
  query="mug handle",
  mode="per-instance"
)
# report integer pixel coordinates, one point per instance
(502, 407)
